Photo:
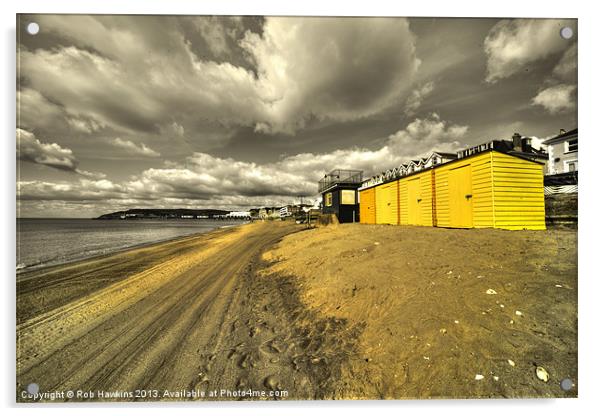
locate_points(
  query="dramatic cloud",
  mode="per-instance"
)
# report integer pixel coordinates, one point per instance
(218, 32)
(32, 150)
(133, 148)
(135, 78)
(416, 97)
(556, 99)
(512, 45)
(330, 68)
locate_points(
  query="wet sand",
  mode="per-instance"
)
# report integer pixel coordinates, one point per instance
(348, 311)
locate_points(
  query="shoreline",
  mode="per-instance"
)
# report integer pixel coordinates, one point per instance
(20, 272)
(77, 331)
(47, 288)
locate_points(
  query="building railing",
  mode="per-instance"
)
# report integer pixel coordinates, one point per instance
(338, 177)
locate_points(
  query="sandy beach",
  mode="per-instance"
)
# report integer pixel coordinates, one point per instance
(347, 311)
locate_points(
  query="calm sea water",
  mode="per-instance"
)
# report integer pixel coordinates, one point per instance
(45, 242)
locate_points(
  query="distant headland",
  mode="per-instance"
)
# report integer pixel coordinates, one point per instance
(158, 213)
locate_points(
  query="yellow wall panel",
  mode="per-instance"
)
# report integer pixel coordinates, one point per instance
(451, 190)
(386, 203)
(403, 201)
(367, 206)
(416, 199)
(518, 193)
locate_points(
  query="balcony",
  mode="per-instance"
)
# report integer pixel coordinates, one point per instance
(340, 177)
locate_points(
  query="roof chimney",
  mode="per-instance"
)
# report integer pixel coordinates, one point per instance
(526, 144)
(516, 142)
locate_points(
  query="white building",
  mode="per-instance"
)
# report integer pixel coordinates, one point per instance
(562, 153)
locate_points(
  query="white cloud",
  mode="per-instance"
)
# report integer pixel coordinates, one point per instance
(52, 155)
(556, 99)
(512, 45)
(415, 99)
(216, 30)
(30, 149)
(423, 136)
(133, 148)
(134, 78)
(330, 68)
(83, 125)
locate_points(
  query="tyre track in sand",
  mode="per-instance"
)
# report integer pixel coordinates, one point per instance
(147, 341)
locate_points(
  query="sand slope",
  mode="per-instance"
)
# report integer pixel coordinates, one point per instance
(418, 297)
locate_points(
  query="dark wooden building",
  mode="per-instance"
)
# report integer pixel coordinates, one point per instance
(340, 195)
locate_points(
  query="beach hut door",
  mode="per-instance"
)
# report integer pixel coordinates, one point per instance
(414, 202)
(460, 190)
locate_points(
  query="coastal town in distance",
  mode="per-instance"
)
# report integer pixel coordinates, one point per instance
(264, 208)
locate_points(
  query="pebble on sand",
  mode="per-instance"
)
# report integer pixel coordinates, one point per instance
(542, 374)
(512, 363)
(479, 377)
(518, 313)
(271, 382)
(491, 292)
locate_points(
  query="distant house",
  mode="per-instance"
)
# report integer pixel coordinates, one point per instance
(269, 212)
(238, 214)
(562, 153)
(437, 158)
(292, 210)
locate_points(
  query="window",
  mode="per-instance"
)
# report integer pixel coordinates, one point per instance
(328, 199)
(571, 166)
(570, 145)
(347, 197)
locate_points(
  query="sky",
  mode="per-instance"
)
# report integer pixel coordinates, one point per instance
(119, 112)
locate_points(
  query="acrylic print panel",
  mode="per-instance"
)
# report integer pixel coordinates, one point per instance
(174, 238)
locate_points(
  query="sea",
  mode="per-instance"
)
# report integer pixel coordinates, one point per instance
(48, 242)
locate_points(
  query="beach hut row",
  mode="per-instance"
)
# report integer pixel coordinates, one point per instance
(485, 188)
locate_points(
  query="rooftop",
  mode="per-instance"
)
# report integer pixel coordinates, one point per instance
(562, 136)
